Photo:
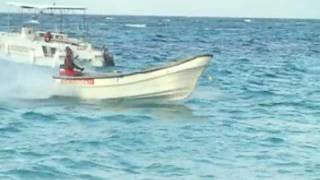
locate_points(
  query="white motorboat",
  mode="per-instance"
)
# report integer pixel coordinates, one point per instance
(47, 48)
(171, 83)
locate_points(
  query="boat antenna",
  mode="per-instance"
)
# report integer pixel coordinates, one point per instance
(9, 19)
(85, 25)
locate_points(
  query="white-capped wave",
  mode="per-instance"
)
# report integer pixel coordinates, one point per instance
(136, 25)
(248, 20)
(109, 18)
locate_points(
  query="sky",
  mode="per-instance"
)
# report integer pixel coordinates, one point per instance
(213, 8)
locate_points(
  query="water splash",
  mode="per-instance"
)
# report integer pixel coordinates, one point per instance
(22, 81)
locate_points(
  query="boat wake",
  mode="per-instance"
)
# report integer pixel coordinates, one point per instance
(20, 81)
(136, 25)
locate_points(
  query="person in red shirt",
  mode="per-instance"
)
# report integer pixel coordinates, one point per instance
(70, 66)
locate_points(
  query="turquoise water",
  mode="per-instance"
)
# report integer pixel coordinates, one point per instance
(256, 118)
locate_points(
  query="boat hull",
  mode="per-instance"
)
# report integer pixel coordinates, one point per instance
(172, 82)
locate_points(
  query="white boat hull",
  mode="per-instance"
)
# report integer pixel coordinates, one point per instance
(170, 83)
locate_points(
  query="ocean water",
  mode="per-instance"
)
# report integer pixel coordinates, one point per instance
(254, 115)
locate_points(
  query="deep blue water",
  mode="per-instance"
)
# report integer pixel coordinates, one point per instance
(258, 118)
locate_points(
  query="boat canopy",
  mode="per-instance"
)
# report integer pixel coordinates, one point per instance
(57, 18)
(46, 7)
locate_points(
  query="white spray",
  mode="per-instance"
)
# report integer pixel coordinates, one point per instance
(25, 81)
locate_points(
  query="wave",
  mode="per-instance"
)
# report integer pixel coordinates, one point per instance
(247, 20)
(136, 25)
(109, 18)
(34, 115)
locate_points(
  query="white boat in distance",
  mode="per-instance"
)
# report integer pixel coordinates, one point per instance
(47, 48)
(169, 83)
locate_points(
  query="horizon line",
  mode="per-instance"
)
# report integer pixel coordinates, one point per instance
(186, 16)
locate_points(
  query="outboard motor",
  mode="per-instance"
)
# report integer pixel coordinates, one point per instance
(108, 58)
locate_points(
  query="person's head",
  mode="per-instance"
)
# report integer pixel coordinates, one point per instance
(68, 50)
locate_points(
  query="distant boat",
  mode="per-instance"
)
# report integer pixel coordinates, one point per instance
(169, 83)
